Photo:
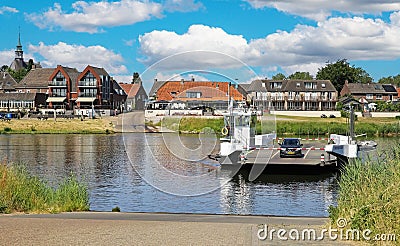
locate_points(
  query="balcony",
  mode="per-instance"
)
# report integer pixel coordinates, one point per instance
(57, 83)
(87, 83)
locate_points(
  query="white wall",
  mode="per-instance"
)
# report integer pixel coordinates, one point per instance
(306, 113)
(385, 114)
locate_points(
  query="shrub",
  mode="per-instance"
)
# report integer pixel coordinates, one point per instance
(22, 192)
(369, 196)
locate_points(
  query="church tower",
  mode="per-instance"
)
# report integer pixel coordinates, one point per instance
(18, 62)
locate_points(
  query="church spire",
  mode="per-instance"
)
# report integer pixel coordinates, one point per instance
(19, 53)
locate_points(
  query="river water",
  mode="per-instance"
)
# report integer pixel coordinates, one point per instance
(138, 173)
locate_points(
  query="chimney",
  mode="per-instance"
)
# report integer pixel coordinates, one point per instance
(182, 81)
(192, 78)
(155, 80)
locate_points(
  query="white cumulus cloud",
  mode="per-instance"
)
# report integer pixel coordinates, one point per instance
(6, 9)
(321, 9)
(6, 57)
(91, 16)
(79, 56)
(305, 48)
(202, 45)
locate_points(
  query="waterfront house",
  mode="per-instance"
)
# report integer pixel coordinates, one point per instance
(370, 92)
(36, 81)
(94, 87)
(7, 82)
(24, 102)
(136, 98)
(118, 97)
(62, 88)
(192, 95)
(293, 95)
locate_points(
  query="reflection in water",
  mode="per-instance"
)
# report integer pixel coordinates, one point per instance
(102, 162)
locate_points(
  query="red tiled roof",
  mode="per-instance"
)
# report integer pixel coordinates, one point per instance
(398, 91)
(130, 89)
(177, 87)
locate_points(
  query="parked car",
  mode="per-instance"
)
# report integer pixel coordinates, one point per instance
(323, 116)
(332, 116)
(291, 147)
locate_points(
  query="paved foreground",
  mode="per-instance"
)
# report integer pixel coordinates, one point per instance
(98, 228)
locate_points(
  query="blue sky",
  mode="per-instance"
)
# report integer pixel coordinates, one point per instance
(237, 40)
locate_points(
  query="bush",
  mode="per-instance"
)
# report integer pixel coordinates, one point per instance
(22, 192)
(369, 196)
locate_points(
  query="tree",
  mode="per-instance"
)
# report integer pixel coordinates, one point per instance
(4, 68)
(341, 71)
(19, 74)
(394, 80)
(301, 75)
(279, 76)
(136, 78)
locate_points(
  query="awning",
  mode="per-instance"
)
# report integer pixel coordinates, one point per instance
(56, 99)
(85, 99)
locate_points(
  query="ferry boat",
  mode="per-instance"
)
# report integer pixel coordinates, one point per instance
(240, 145)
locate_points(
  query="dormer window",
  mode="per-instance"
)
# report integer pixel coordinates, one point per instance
(276, 85)
(323, 85)
(310, 85)
(298, 84)
(193, 94)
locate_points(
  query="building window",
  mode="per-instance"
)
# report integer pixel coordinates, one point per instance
(88, 93)
(59, 92)
(323, 85)
(193, 94)
(379, 97)
(297, 84)
(310, 85)
(276, 85)
(369, 96)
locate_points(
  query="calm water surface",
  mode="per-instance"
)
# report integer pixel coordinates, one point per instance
(111, 164)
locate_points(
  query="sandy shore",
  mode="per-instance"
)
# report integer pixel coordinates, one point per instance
(98, 228)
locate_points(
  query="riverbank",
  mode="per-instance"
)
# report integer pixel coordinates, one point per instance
(369, 197)
(102, 228)
(285, 125)
(59, 126)
(22, 192)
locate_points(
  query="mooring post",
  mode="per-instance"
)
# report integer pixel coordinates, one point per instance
(322, 159)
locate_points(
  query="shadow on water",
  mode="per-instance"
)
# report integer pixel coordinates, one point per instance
(287, 178)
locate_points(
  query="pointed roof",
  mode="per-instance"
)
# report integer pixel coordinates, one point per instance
(130, 89)
(38, 77)
(170, 88)
(7, 82)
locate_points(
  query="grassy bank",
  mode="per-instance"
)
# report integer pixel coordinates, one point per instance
(191, 124)
(22, 192)
(369, 195)
(34, 126)
(290, 126)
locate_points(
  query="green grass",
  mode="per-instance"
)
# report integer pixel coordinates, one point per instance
(22, 192)
(192, 124)
(294, 127)
(369, 194)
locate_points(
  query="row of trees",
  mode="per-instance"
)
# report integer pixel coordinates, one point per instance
(337, 73)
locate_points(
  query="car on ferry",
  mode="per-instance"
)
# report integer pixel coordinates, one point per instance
(291, 147)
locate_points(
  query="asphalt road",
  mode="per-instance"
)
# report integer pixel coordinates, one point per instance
(99, 228)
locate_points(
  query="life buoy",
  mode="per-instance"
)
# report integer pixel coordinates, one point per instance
(224, 131)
